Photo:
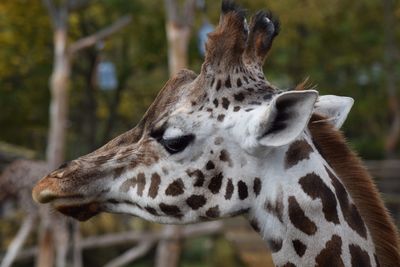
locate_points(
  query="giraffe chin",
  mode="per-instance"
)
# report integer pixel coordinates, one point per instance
(80, 212)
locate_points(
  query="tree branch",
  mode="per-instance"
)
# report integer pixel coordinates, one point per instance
(188, 12)
(18, 240)
(100, 35)
(53, 13)
(132, 254)
(172, 11)
(182, 16)
(206, 228)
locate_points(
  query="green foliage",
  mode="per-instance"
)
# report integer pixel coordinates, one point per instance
(25, 62)
(338, 44)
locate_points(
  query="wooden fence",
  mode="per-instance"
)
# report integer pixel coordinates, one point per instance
(387, 177)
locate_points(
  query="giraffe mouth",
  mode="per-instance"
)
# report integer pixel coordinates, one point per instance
(76, 207)
(81, 212)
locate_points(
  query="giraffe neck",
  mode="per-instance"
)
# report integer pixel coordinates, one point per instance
(305, 214)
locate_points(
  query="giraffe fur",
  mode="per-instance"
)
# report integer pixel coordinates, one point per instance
(227, 142)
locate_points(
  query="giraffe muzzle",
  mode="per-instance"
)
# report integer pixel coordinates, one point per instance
(47, 190)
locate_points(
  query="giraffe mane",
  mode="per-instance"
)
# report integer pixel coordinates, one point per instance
(332, 145)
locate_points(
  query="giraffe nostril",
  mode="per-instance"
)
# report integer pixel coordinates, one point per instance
(45, 190)
(42, 192)
(43, 196)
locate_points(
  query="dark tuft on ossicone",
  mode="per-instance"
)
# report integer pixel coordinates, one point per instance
(230, 6)
(262, 24)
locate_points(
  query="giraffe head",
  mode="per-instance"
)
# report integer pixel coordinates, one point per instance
(196, 153)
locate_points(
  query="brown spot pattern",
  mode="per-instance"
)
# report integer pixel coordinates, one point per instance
(224, 156)
(128, 184)
(298, 151)
(215, 102)
(175, 188)
(239, 97)
(225, 103)
(359, 257)
(211, 83)
(170, 210)
(218, 85)
(257, 186)
(255, 225)
(221, 117)
(275, 245)
(196, 201)
(118, 172)
(288, 264)
(236, 108)
(349, 210)
(141, 182)
(199, 177)
(299, 247)
(313, 186)
(154, 185)
(331, 254)
(275, 209)
(213, 212)
(210, 165)
(151, 210)
(229, 189)
(215, 183)
(228, 82)
(242, 189)
(299, 219)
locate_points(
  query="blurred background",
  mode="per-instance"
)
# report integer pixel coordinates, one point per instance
(99, 65)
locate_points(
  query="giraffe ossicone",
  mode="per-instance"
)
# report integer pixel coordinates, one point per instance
(226, 142)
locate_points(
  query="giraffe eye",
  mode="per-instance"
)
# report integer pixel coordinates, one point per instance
(178, 144)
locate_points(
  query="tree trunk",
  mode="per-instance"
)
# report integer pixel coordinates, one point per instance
(178, 42)
(59, 100)
(169, 249)
(56, 142)
(77, 250)
(45, 256)
(18, 240)
(62, 239)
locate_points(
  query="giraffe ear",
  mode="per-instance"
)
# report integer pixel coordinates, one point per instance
(334, 108)
(286, 117)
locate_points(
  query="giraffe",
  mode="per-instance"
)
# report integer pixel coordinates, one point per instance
(227, 142)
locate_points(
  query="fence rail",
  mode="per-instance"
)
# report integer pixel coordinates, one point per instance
(387, 176)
